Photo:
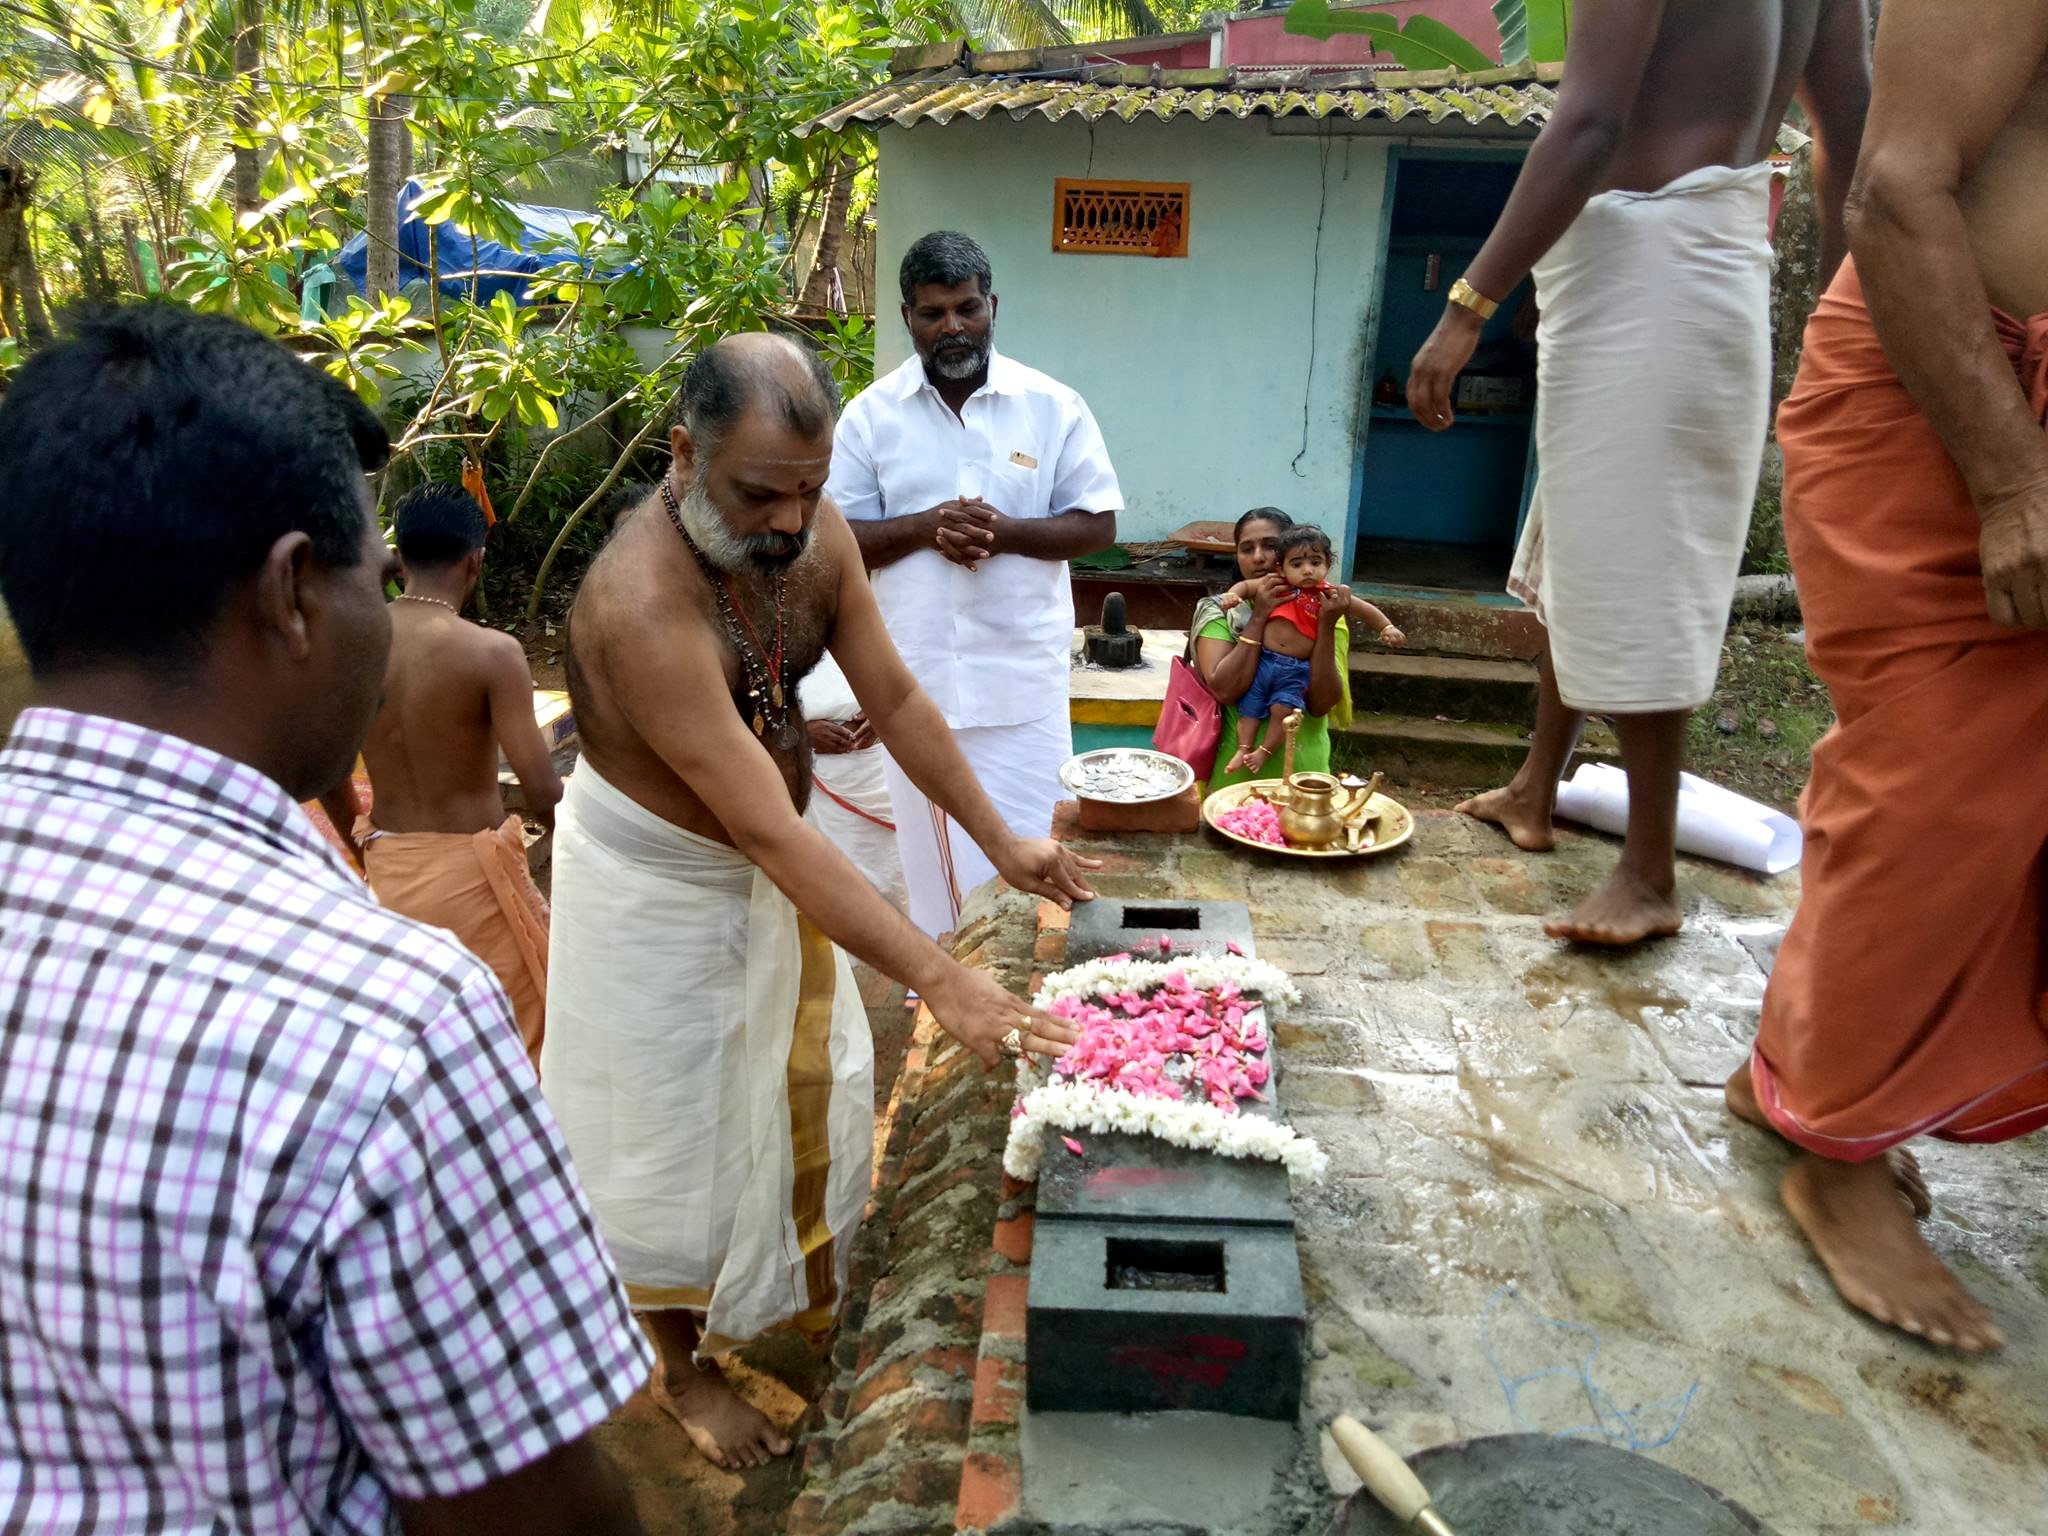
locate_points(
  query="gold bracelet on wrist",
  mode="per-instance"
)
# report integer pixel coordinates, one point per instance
(1465, 296)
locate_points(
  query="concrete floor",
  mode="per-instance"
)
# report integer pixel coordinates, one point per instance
(1501, 1111)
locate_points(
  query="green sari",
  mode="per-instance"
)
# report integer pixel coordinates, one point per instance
(1312, 749)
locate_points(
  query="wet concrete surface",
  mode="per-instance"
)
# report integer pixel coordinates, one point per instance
(1501, 1110)
(1194, 1471)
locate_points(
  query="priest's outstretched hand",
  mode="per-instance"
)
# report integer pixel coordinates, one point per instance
(993, 1022)
(1044, 867)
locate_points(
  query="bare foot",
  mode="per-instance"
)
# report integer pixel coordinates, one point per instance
(1912, 1182)
(1624, 911)
(730, 1431)
(1740, 1091)
(1526, 821)
(1241, 760)
(1852, 1215)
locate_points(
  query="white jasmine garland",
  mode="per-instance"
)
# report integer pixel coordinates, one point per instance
(1050, 1102)
(1107, 977)
(1077, 1107)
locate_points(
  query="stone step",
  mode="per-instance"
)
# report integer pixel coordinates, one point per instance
(1459, 687)
(1448, 754)
(1488, 625)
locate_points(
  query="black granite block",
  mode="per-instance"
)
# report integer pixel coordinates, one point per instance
(1107, 926)
(1134, 1317)
(1141, 1178)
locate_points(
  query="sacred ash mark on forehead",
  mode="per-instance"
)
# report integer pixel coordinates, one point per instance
(814, 469)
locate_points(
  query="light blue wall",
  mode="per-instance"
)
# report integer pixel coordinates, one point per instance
(1197, 368)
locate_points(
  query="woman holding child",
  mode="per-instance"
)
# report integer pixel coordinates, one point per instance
(1230, 638)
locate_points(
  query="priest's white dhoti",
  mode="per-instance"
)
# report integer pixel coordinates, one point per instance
(1019, 767)
(1654, 387)
(711, 1066)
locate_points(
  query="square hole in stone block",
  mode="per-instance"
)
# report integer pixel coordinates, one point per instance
(1177, 919)
(1163, 1264)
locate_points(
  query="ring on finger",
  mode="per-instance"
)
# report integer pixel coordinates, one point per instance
(1013, 1042)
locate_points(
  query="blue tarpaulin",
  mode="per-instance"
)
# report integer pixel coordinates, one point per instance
(548, 239)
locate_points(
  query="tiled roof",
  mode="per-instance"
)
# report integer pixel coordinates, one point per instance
(973, 90)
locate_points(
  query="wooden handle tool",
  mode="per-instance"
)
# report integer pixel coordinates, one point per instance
(1387, 1477)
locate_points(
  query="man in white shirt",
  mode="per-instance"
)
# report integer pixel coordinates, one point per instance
(970, 481)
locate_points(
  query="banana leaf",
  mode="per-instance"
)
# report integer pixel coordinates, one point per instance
(1536, 30)
(1424, 43)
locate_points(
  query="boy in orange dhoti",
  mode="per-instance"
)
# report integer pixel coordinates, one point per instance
(1908, 998)
(437, 844)
(478, 887)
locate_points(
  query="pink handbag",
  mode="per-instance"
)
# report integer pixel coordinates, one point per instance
(1190, 720)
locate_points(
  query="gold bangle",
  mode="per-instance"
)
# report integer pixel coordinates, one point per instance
(1465, 296)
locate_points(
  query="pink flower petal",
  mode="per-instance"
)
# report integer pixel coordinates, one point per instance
(1073, 1146)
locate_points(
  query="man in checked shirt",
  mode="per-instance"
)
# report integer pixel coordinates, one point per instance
(289, 1241)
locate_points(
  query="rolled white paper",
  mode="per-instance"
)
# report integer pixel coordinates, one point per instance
(1713, 822)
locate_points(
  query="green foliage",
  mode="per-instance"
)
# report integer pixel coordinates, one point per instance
(1533, 30)
(361, 344)
(507, 373)
(689, 261)
(848, 344)
(1049, 23)
(129, 114)
(1423, 43)
(243, 265)
(1763, 550)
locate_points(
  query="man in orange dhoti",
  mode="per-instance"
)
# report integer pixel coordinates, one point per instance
(477, 886)
(437, 844)
(1908, 997)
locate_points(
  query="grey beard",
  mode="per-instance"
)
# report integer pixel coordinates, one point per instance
(726, 550)
(960, 365)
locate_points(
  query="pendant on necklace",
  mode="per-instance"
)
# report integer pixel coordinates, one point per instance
(760, 725)
(785, 738)
(775, 694)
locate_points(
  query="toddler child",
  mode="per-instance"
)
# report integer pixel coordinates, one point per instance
(1280, 686)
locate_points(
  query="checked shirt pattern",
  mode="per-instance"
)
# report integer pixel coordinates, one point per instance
(286, 1230)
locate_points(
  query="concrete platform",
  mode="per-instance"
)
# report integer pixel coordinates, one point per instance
(1502, 1110)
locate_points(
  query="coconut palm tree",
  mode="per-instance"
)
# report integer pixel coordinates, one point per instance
(132, 99)
(248, 72)
(1050, 23)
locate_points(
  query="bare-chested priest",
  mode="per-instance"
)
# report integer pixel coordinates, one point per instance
(706, 1054)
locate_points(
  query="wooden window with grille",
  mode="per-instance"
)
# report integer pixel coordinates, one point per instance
(1120, 218)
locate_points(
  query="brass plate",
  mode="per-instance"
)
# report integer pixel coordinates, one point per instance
(1396, 825)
